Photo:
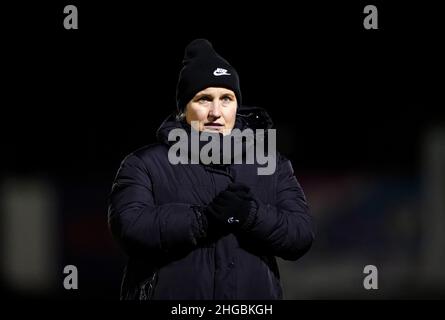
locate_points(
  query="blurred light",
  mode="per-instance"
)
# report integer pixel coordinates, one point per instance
(433, 217)
(29, 262)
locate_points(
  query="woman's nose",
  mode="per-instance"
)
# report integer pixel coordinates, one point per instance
(215, 109)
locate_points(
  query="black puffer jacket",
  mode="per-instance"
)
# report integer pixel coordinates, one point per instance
(154, 213)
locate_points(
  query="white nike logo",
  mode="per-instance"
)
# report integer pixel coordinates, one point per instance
(220, 72)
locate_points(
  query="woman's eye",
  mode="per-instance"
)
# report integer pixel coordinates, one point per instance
(204, 99)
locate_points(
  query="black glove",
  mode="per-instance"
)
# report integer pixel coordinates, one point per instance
(230, 209)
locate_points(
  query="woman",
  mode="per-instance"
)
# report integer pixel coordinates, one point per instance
(206, 231)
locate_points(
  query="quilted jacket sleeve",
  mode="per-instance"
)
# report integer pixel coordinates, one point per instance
(141, 226)
(285, 228)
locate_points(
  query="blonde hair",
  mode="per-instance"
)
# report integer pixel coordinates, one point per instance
(180, 116)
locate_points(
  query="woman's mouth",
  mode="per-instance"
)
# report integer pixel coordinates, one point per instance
(213, 126)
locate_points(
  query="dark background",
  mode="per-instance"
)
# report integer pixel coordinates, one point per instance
(349, 104)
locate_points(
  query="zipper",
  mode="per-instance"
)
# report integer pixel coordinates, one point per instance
(226, 172)
(147, 288)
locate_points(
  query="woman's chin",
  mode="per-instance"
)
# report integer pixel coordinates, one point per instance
(213, 130)
(221, 130)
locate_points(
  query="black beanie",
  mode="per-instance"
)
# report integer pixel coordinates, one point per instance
(204, 68)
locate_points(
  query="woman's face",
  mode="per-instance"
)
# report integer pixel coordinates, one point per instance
(214, 109)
